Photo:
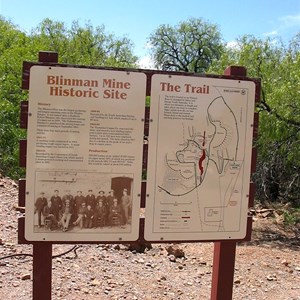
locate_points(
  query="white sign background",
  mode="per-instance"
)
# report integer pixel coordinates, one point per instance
(200, 146)
(84, 139)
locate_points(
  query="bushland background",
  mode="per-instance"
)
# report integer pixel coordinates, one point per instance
(194, 45)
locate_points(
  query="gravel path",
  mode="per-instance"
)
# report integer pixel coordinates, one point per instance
(266, 268)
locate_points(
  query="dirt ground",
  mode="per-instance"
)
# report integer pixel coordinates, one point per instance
(268, 267)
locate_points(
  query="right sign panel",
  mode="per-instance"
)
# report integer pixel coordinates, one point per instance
(199, 164)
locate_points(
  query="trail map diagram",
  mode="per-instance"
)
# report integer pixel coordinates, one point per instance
(202, 167)
(217, 143)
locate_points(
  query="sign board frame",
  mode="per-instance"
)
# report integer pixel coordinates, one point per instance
(47, 59)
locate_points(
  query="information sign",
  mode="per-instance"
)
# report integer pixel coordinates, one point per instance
(84, 154)
(200, 146)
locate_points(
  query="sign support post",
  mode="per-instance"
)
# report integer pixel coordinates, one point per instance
(223, 270)
(42, 270)
(42, 252)
(224, 252)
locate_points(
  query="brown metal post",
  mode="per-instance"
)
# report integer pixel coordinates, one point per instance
(42, 271)
(42, 251)
(223, 270)
(224, 252)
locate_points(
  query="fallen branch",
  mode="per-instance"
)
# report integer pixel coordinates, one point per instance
(14, 255)
(74, 248)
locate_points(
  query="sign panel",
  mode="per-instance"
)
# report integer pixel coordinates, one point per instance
(84, 154)
(200, 145)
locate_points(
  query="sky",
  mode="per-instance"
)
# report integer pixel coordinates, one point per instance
(137, 19)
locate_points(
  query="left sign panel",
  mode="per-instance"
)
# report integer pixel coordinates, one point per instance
(84, 154)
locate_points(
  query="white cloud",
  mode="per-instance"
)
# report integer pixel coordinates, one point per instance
(290, 21)
(233, 45)
(271, 33)
(286, 27)
(146, 62)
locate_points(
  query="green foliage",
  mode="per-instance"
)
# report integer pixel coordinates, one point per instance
(12, 47)
(147, 101)
(76, 45)
(84, 45)
(194, 46)
(190, 46)
(144, 174)
(291, 217)
(278, 165)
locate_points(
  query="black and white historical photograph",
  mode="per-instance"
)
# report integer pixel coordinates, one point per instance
(82, 202)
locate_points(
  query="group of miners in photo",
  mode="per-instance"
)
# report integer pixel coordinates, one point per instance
(84, 211)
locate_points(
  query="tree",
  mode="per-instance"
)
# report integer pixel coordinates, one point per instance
(190, 46)
(13, 45)
(84, 45)
(278, 66)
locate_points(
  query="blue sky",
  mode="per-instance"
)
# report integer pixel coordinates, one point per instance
(137, 19)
